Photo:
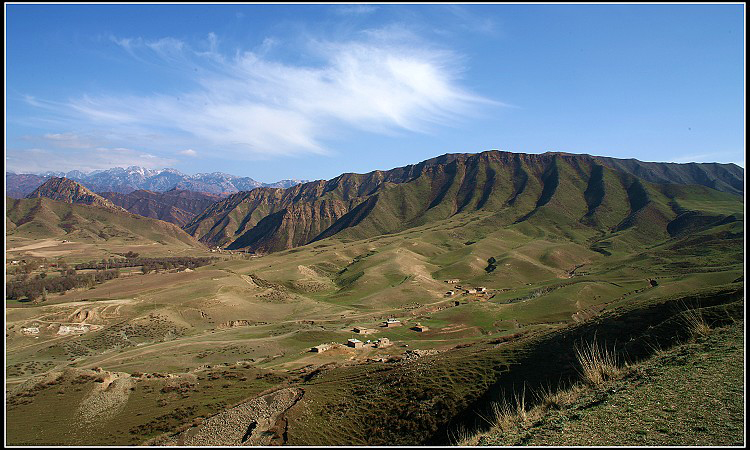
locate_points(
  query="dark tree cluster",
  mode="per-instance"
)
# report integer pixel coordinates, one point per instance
(150, 264)
(39, 286)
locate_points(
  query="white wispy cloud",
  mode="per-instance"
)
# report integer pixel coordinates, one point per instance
(65, 140)
(188, 152)
(251, 104)
(471, 20)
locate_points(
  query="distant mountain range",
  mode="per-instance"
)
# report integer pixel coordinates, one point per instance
(176, 206)
(566, 191)
(135, 178)
(626, 200)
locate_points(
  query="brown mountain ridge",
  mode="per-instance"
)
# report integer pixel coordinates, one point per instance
(177, 206)
(559, 190)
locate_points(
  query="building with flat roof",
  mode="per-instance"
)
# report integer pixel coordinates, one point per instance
(354, 343)
(76, 329)
(392, 323)
(320, 348)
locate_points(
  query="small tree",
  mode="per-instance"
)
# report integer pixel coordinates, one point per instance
(491, 264)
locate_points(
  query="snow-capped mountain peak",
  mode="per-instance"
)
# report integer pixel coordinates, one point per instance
(133, 178)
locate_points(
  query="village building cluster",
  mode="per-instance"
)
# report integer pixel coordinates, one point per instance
(353, 343)
(72, 329)
(379, 343)
(465, 291)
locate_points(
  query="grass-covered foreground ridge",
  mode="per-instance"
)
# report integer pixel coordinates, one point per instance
(690, 394)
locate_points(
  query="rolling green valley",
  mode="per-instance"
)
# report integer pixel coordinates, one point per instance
(389, 308)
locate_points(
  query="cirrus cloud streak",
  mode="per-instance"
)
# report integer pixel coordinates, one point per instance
(251, 105)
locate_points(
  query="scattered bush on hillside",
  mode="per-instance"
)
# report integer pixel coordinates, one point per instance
(150, 264)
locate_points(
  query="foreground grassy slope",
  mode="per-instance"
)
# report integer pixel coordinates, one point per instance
(691, 394)
(77, 406)
(425, 400)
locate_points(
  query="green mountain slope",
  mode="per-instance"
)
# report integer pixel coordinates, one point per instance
(579, 196)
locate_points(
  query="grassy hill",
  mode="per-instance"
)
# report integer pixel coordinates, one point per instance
(43, 218)
(65, 190)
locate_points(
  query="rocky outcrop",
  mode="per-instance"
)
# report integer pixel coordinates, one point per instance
(257, 422)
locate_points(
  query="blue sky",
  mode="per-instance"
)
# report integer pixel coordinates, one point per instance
(312, 91)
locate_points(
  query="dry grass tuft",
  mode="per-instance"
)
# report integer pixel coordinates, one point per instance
(549, 398)
(463, 438)
(598, 364)
(695, 322)
(513, 414)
